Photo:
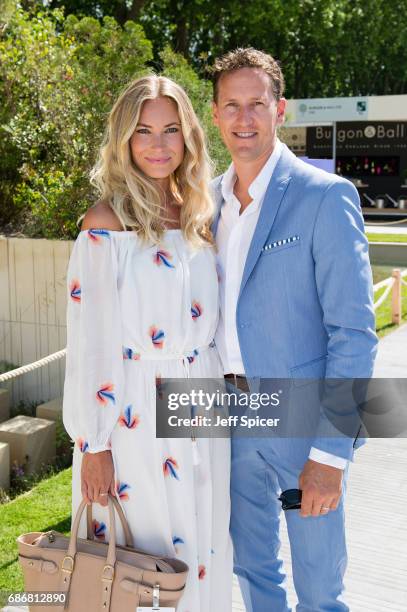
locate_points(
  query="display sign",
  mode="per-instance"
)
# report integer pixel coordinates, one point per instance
(356, 138)
(315, 110)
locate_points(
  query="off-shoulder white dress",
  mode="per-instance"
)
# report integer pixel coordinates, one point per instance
(136, 314)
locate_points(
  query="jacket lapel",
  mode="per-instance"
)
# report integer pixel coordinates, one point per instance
(271, 203)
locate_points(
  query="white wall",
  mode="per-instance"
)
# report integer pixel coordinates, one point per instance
(33, 312)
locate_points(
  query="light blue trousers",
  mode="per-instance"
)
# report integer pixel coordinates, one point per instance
(261, 469)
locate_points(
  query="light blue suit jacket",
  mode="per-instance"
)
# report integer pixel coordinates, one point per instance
(305, 307)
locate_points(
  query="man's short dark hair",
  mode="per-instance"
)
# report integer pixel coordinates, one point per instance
(248, 58)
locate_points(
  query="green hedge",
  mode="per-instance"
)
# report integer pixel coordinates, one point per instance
(58, 80)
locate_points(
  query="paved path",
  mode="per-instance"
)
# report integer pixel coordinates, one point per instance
(391, 360)
(376, 578)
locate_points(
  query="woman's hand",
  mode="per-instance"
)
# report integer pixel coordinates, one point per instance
(97, 477)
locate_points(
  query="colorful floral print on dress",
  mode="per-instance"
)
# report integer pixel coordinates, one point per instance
(128, 353)
(157, 337)
(163, 258)
(122, 490)
(196, 310)
(75, 290)
(82, 445)
(105, 394)
(192, 356)
(99, 530)
(176, 540)
(128, 419)
(97, 235)
(170, 467)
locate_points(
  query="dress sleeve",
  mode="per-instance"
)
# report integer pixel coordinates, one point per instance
(94, 378)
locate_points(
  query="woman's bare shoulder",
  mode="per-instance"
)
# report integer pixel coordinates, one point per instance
(101, 216)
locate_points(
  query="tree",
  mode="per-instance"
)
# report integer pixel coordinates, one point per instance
(327, 47)
(122, 11)
(59, 79)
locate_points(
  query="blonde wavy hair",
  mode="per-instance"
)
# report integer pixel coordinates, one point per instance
(135, 197)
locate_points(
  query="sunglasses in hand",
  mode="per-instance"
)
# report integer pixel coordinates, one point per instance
(291, 499)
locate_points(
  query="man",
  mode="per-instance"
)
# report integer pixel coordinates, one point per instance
(296, 302)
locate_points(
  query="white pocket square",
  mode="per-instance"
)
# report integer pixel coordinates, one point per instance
(277, 243)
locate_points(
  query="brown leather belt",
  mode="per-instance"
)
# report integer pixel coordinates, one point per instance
(238, 380)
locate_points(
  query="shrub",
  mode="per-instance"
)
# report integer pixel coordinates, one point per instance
(58, 80)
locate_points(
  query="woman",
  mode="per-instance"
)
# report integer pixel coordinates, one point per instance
(143, 305)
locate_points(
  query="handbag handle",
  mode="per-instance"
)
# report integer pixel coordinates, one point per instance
(126, 529)
(111, 550)
(68, 562)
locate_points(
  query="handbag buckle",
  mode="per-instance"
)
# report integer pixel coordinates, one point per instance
(71, 563)
(110, 569)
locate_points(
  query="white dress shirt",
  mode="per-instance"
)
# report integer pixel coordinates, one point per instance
(234, 235)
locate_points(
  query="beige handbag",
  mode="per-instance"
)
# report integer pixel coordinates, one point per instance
(95, 576)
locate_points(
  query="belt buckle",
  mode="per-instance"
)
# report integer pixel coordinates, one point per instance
(239, 381)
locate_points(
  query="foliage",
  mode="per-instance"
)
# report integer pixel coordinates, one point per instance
(7, 366)
(59, 79)
(387, 237)
(27, 408)
(64, 447)
(327, 47)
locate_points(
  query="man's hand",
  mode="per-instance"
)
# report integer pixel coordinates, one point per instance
(97, 477)
(321, 487)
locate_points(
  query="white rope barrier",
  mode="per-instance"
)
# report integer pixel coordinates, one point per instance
(388, 282)
(385, 295)
(383, 283)
(32, 366)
